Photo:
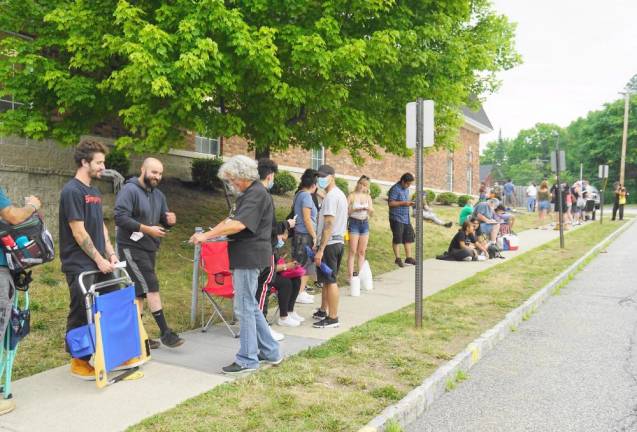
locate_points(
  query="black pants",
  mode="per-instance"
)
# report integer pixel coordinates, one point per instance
(461, 254)
(620, 207)
(287, 292)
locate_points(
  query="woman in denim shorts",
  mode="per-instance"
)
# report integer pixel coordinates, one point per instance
(360, 208)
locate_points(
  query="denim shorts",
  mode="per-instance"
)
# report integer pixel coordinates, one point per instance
(358, 227)
(544, 205)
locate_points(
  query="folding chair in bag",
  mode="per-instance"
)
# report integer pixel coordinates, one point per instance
(18, 328)
(114, 332)
(215, 262)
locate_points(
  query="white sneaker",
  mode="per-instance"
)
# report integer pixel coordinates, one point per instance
(288, 321)
(305, 298)
(296, 316)
(276, 335)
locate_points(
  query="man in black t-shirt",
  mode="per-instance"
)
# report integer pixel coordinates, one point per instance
(250, 250)
(84, 242)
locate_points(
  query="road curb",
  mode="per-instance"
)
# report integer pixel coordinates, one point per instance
(422, 397)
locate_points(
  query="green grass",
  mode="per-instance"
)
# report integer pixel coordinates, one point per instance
(344, 383)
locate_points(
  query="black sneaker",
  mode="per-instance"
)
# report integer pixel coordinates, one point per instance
(448, 224)
(154, 343)
(399, 262)
(171, 339)
(326, 323)
(264, 360)
(410, 261)
(236, 369)
(319, 315)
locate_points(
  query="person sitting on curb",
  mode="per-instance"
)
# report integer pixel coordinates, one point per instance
(485, 214)
(466, 211)
(463, 244)
(503, 217)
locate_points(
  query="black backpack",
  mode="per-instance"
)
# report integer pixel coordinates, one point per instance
(494, 251)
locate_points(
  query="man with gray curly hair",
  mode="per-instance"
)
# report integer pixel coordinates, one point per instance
(249, 250)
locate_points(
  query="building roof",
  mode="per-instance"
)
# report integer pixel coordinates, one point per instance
(485, 170)
(477, 120)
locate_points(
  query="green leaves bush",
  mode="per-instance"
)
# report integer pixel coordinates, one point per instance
(204, 173)
(374, 190)
(447, 198)
(343, 185)
(430, 195)
(116, 159)
(463, 200)
(284, 182)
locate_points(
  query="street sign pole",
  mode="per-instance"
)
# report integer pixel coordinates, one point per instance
(558, 168)
(602, 174)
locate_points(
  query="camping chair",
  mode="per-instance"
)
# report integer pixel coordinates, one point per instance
(17, 328)
(216, 264)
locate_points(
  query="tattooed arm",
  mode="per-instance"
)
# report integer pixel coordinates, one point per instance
(325, 237)
(83, 239)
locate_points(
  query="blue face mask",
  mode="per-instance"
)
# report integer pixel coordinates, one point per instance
(279, 244)
(323, 182)
(270, 184)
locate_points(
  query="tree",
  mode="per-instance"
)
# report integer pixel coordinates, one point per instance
(301, 72)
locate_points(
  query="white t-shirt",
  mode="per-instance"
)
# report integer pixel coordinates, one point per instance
(334, 204)
(531, 191)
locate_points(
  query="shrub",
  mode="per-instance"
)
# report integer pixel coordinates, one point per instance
(342, 185)
(204, 173)
(447, 198)
(116, 159)
(374, 190)
(284, 182)
(463, 200)
(430, 195)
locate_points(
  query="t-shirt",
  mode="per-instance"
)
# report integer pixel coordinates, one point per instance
(398, 193)
(334, 204)
(531, 191)
(304, 200)
(252, 247)
(79, 202)
(465, 212)
(459, 239)
(4, 203)
(484, 209)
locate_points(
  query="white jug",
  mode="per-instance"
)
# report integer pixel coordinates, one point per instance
(355, 286)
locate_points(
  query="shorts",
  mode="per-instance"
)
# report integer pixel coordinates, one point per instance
(358, 227)
(486, 228)
(299, 254)
(332, 257)
(544, 205)
(140, 265)
(401, 233)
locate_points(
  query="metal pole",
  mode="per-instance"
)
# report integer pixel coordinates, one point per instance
(559, 190)
(601, 202)
(195, 281)
(419, 221)
(622, 164)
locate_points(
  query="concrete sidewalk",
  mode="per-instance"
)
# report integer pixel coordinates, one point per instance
(56, 401)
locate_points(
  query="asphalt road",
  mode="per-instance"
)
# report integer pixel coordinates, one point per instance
(571, 367)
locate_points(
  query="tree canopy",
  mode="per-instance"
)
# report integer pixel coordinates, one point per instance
(336, 73)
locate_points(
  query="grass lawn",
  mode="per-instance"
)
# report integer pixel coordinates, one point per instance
(344, 383)
(44, 348)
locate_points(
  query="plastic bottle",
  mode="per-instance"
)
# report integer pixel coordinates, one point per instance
(355, 286)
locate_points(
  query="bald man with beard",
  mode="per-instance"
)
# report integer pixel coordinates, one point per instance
(141, 215)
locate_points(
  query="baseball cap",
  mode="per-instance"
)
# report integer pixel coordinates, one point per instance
(325, 170)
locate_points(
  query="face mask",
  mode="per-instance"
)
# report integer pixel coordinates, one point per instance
(279, 244)
(270, 184)
(323, 182)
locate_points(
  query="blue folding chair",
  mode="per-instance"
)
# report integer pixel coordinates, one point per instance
(18, 327)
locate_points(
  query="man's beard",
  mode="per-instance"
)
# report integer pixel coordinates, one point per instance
(148, 181)
(95, 173)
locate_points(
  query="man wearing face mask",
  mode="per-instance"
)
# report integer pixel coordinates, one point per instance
(141, 216)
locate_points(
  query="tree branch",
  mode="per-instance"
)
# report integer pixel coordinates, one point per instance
(298, 118)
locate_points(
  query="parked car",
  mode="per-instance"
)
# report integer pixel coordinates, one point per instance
(594, 195)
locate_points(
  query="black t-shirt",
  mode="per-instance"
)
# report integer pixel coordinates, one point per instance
(252, 248)
(461, 238)
(79, 202)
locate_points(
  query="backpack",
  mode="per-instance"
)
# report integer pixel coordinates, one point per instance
(26, 245)
(494, 251)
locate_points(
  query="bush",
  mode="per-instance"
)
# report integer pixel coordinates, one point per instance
(463, 200)
(204, 173)
(374, 190)
(284, 182)
(447, 198)
(342, 185)
(430, 195)
(116, 159)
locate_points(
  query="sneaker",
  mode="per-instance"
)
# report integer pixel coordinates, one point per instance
(236, 369)
(171, 339)
(8, 405)
(82, 369)
(296, 316)
(448, 224)
(399, 262)
(276, 335)
(264, 360)
(326, 323)
(288, 321)
(319, 315)
(129, 364)
(410, 261)
(154, 343)
(305, 298)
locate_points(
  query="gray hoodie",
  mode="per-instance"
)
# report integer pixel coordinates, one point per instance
(134, 206)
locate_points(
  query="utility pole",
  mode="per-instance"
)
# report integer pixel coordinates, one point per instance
(622, 165)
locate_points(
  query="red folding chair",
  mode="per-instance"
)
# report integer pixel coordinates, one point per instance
(216, 264)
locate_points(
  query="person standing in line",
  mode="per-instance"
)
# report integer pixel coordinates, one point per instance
(360, 209)
(141, 216)
(84, 242)
(543, 200)
(619, 202)
(402, 231)
(250, 251)
(531, 195)
(332, 225)
(509, 194)
(483, 191)
(13, 216)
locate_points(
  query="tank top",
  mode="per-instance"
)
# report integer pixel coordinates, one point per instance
(360, 208)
